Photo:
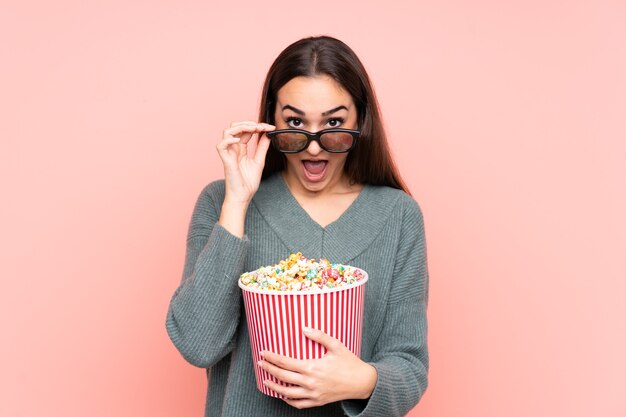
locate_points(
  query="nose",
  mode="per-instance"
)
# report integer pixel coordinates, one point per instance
(314, 148)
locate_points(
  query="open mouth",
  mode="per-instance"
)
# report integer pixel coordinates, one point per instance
(314, 169)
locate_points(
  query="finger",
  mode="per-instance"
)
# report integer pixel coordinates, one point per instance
(291, 392)
(237, 130)
(245, 140)
(251, 144)
(265, 126)
(330, 343)
(301, 403)
(261, 150)
(229, 150)
(245, 137)
(224, 143)
(283, 374)
(283, 362)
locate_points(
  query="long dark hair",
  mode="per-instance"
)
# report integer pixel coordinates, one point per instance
(369, 162)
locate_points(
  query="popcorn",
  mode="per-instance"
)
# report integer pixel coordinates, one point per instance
(298, 273)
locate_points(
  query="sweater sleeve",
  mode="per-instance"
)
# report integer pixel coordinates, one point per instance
(401, 352)
(204, 311)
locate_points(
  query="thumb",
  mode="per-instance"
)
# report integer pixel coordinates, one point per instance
(261, 150)
(330, 343)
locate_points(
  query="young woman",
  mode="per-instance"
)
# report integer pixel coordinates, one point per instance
(314, 176)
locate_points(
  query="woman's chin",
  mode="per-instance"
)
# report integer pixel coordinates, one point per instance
(313, 185)
(310, 183)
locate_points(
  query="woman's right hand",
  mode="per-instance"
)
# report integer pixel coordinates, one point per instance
(243, 151)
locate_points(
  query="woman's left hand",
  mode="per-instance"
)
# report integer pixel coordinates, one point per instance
(339, 375)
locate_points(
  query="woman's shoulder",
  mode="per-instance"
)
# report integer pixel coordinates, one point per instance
(399, 199)
(213, 193)
(214, 188)
(210, 200)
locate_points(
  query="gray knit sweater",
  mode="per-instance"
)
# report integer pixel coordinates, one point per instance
(381, 232)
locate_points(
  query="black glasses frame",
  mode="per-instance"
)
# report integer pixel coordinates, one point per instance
(314, 136)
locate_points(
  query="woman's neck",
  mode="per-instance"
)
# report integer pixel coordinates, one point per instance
(339, 186)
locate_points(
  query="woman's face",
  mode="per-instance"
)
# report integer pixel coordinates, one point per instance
(314, 104)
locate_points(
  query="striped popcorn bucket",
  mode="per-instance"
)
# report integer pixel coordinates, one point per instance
(276, 318)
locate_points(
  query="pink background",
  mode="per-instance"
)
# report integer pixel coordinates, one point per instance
(506, 118)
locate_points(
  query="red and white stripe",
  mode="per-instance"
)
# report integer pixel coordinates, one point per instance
(275, 322)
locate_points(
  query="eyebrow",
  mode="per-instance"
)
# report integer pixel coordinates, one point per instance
(326, 113)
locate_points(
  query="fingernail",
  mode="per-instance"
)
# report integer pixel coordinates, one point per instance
(307, 330)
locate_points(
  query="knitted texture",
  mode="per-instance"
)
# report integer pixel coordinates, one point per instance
(381, 232)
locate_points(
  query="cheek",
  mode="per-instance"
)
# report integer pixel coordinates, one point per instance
(291, 159)
(338, 159)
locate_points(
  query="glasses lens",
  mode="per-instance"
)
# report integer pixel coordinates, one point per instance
(290, 142)
(337, 141)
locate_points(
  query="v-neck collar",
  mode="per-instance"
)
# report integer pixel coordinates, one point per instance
(297, 206)
(339, 241)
